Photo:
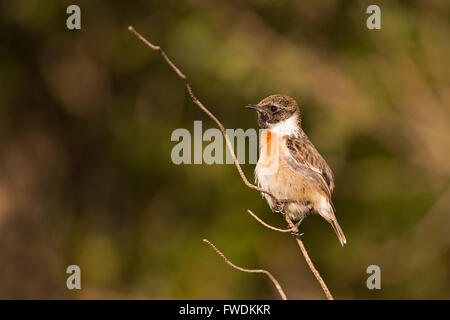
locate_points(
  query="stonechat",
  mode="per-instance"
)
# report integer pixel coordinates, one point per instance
(290, 167)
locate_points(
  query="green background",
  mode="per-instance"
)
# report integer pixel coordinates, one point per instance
(86, 176)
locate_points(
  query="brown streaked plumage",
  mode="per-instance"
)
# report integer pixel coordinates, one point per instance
(289, 165)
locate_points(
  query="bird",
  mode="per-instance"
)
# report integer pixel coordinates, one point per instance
(290, 167)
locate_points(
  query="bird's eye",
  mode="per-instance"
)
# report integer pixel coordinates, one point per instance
(273, 108)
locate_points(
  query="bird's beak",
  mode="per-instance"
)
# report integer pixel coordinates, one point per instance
(254, 107)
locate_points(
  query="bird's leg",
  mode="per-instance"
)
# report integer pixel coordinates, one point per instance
(297, 224)
(295, 232)
(281, 204)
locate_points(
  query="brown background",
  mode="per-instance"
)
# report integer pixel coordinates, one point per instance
(85, 124)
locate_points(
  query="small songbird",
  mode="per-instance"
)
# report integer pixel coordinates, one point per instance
(289, 165)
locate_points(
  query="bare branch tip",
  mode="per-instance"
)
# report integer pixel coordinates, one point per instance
(267, 273)
(268, 225)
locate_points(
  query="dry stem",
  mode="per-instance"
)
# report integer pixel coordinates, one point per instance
(268, 225)
(309, 262)
(267, 273)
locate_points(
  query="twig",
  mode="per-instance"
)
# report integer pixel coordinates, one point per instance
(201, 106)
(267, 273)
(292, 228)
(268, 225)
(230, 148)
(309, 262)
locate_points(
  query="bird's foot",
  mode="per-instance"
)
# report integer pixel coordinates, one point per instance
(296, 234)
(279, 206)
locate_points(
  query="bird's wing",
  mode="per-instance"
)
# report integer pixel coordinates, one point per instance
(304, 156)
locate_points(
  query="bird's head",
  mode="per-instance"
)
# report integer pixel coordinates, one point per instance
(277, 111)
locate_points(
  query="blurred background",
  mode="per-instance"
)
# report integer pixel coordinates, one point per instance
(86, 176)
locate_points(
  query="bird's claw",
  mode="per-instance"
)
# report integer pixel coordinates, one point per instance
(279, 206)
(296, 234)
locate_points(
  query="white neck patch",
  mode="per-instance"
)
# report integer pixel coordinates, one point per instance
(286, 127)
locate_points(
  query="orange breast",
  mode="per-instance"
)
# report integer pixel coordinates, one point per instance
(269, 148)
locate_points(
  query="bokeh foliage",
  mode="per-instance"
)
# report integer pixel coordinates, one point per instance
(86, 176)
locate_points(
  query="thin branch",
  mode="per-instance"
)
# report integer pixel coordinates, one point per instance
(294, 228)
(309, 262)
(230, 148)
(201, 106)
(267, 273)
(268, 225)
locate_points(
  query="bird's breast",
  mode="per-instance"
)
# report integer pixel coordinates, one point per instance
(269, 152)
(269, 170)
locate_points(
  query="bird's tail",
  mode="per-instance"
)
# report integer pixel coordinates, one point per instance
(338, 230)
(326, 210)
